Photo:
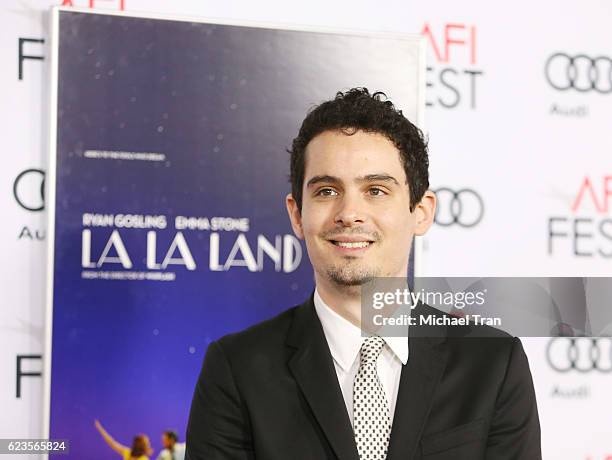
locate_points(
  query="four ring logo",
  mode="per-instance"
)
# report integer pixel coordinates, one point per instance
(582, 354)
(580, 72)
(29, 189)
(463, 207)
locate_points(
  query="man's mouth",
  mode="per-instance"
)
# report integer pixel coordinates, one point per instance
(351, 244)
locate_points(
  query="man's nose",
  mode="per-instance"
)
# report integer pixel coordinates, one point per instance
(351, 210)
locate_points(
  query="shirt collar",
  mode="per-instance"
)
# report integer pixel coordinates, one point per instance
(344, 338)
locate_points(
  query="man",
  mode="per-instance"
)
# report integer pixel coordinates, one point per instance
(306, 384)
(173, 450)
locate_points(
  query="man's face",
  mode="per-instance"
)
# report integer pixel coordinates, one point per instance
(356, 217)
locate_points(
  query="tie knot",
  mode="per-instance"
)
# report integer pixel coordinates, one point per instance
(370, 349)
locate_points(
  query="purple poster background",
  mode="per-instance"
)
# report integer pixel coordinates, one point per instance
(170, 225)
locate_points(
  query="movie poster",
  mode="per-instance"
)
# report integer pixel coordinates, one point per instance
(169, 223)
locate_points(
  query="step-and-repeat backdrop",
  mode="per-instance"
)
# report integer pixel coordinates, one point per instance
(518, 108)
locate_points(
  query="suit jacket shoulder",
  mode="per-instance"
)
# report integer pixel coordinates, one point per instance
(260, 340)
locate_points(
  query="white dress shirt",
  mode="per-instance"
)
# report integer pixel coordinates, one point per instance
(344, 340)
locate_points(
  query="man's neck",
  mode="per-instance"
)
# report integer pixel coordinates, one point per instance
(344, 300)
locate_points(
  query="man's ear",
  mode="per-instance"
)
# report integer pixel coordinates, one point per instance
(295, 216)
(424, 212)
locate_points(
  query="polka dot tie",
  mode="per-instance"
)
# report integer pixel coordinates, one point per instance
(371, 421)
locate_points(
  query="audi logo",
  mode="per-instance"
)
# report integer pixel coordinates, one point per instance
(29, 189)
(580, 72)
(462, 207)
(582, 354)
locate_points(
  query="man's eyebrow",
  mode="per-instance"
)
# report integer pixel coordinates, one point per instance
(380, 177)
(323, 178)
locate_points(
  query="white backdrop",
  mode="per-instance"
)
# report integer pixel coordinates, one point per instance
(514, 156)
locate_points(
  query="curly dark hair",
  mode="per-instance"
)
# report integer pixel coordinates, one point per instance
(358, 110)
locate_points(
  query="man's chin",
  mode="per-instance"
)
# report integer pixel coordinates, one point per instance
(349, 283)
(350, 279)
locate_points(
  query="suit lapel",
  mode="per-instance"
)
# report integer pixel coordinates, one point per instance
(313, 369)
(418, 382)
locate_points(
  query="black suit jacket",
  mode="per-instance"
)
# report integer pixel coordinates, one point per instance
(271, 393)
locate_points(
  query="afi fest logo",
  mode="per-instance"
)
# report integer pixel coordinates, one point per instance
(587, 231)
(454, 79)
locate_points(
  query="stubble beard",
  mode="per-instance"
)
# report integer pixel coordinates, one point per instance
(348, 275)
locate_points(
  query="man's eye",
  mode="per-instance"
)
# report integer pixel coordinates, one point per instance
(375, 191)
(326, 192)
